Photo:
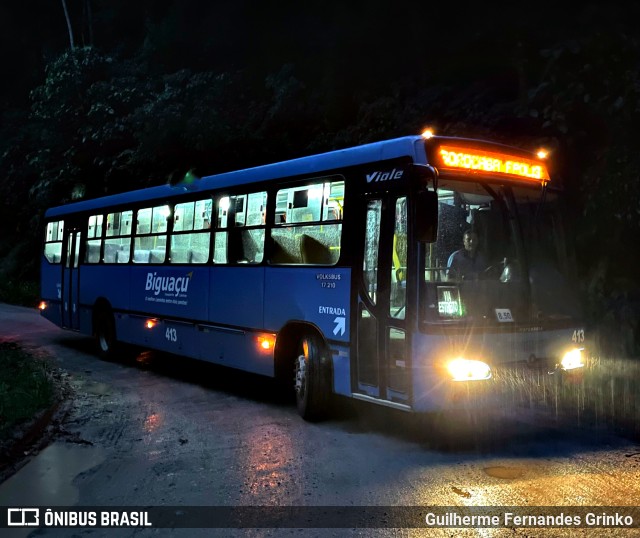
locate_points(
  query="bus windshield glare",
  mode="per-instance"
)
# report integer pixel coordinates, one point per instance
(499, 258)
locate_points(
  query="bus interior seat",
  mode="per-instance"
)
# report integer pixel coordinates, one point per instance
(250, 247)
(198, 256)
(110, 253)
(314, 251)
(141, 256)
(122, 255)
(157, 255)
(180, 255)
(286, 249)
(93, 253)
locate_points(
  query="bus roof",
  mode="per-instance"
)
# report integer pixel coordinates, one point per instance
(412, 146)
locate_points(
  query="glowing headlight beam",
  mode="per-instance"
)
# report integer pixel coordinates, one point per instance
(468, 370)
(572, 359)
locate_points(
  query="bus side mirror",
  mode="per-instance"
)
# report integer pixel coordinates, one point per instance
(426, 215)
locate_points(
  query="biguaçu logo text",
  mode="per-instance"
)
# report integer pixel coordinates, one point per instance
(169, 284)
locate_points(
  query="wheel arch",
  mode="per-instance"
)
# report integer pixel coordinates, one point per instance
(101, 307)
(287, 341)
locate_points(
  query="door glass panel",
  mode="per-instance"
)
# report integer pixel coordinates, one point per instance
(367, 347)
(69, 245)
(397, 356)
(371, 247)
(77, 250)
(399, 262)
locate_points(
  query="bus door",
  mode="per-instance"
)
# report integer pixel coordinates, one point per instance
(382, 359)
(70, 278)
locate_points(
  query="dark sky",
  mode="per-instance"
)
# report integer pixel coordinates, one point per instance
(367, 43)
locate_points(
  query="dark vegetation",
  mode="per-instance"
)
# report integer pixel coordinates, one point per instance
(120, 95)
(26, 388)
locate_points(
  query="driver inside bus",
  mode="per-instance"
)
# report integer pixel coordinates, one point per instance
(468, 262)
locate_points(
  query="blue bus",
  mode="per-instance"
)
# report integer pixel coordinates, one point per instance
(333, 272)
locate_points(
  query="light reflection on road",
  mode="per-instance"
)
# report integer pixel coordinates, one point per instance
(267, 460)
(153, 422)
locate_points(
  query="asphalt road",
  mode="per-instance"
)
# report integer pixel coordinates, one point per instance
(158, 430)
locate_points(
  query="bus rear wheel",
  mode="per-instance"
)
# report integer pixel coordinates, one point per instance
(312, 379)
(105, 334)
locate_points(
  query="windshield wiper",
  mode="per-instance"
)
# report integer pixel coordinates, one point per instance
(498, 196)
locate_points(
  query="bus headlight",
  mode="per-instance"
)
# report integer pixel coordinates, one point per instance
(572, 359)
(468, 370)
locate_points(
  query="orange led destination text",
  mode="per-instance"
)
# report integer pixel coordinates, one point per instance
(495, 163)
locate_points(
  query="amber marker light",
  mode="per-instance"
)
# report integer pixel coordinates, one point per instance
(542, 153)
(151, 323)
(427, 133)
(42, 305)
(266, 342)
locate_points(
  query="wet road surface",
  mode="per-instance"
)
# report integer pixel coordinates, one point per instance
(153, 429)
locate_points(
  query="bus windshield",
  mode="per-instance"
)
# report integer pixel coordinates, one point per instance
(500, 258)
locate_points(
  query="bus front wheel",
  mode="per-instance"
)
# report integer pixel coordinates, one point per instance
(105, 334)
(311, 379)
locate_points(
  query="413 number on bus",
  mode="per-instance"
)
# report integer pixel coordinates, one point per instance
(171, 334)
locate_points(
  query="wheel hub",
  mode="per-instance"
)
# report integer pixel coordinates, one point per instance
(301, 367)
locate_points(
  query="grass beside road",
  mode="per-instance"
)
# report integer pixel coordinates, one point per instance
(21, 292)
(26, 388)
(604, 393)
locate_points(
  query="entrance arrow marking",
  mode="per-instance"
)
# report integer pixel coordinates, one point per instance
(340, 326)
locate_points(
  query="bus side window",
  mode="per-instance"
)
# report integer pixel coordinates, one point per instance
(53, 241)
(191, 236)
(94, 239)
(150, 244)
(308, 227)
(254, 234)
(117, 243)
(240, 234)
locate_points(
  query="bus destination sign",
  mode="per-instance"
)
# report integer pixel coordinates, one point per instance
(478, 160)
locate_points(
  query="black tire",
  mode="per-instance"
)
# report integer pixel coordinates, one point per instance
(312, 378)
(104, 330)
